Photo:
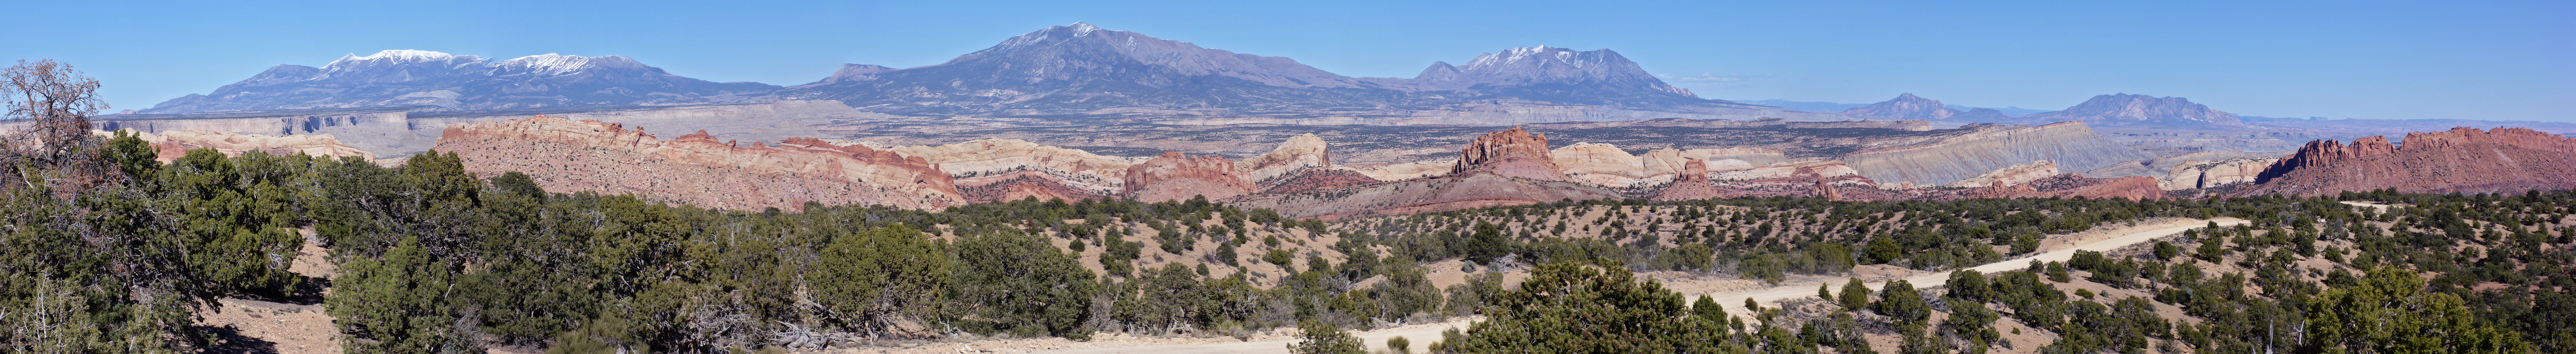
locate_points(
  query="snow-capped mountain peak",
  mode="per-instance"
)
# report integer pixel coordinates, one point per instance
(559, 64)
(1540, 55)
(1082, 27)
(399, 56)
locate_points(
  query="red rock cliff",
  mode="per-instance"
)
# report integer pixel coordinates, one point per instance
(2323, 153)
(569, 156)
(2521, 137)
(1174, 176)
(1691, 184)
(2465, 160)
(1511, 152)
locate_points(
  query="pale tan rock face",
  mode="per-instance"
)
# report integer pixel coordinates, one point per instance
(2014, 175)
(2072, 145)
(1607, 166)
(568, 156)
(1404, 171)
(981, 162)
(172, 145)
(1175, 176)
(1789, 170)
(1300, 151)
(2205, 174)
(1590, 158)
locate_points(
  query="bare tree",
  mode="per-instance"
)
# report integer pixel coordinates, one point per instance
(47, 124)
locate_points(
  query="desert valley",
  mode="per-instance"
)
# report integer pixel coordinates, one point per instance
(1086, 190)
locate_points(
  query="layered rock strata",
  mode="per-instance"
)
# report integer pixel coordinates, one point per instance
(2017, 174)
(1297, 153)
(2210, 174)
(1510, 153)
(1691, 184)
(2464, 160)
(1175, 176)
(2071, 145)
(2164, 166)
(2321, 153)
(1070, 174)
(569, 156)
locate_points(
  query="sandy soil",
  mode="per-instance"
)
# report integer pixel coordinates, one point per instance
(258, 326)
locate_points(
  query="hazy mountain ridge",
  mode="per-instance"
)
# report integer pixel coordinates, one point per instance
(1080, 69)
(462, 82)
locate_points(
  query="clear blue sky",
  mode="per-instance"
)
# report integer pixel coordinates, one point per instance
(2381, 60)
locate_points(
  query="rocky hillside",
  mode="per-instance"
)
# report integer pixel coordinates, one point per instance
(2465, 160)
(1980, 148)
(1301, 152)
(463, 82)
(2143, 111)
(1508, 167)
(1906, 106)
(172, 145)
(565, 155)
(1010, 169)
(1175, 176)
(1511, 153)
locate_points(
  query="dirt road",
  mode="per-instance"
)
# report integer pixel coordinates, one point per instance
(1424, 334)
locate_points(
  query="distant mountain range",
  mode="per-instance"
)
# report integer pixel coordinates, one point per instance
(1075, 69)
(1830, 107)
(2111, 111)
(1082, 70)
(463, 82)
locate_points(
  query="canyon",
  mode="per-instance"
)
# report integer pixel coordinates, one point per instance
(1299, 177)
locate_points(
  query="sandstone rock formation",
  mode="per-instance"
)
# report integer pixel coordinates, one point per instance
(2207, 174)
(1607, 166)
(172, 145)
(2519, 137)
(568, 156)
(2163, 167)
(2071, 145)
(2465, 160)
(1015, 169)
(1811, 178)
(2017, 174)
(1691, 184)
(1298, 152)
(1510, 153)
(2323, 153)
(1404, 171)
(1175, 176)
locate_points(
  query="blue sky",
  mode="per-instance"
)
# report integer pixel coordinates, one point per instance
(2503, 60)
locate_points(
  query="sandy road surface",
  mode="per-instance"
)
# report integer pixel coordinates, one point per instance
(2382, 207)
(2137, 236)
(1426, 333)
